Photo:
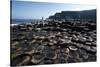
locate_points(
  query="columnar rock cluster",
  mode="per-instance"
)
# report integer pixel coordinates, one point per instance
(53, 42)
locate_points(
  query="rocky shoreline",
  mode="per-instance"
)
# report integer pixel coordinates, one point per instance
(53, 42)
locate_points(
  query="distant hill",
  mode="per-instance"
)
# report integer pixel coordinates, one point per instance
(68, 15)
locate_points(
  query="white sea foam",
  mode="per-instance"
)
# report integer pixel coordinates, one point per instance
(14, 24)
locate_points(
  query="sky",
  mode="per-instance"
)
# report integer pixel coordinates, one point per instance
(37, 10)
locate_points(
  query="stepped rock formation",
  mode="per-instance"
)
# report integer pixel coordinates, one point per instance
(52, 43)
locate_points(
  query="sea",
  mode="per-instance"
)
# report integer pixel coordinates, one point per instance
(23, 21)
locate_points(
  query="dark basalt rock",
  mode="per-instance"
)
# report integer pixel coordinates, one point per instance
(72, 48)
(84, 54)
(22, 59)
(93, 43)
(79, 45)
(37, 58)
(54, 42)
(88, 43)
(48, 61)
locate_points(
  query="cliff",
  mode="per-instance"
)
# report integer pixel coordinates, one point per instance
(75, 15)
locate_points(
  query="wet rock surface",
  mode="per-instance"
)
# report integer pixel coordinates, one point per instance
(52, 43)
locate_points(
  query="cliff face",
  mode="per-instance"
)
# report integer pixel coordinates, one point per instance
(83, 15)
